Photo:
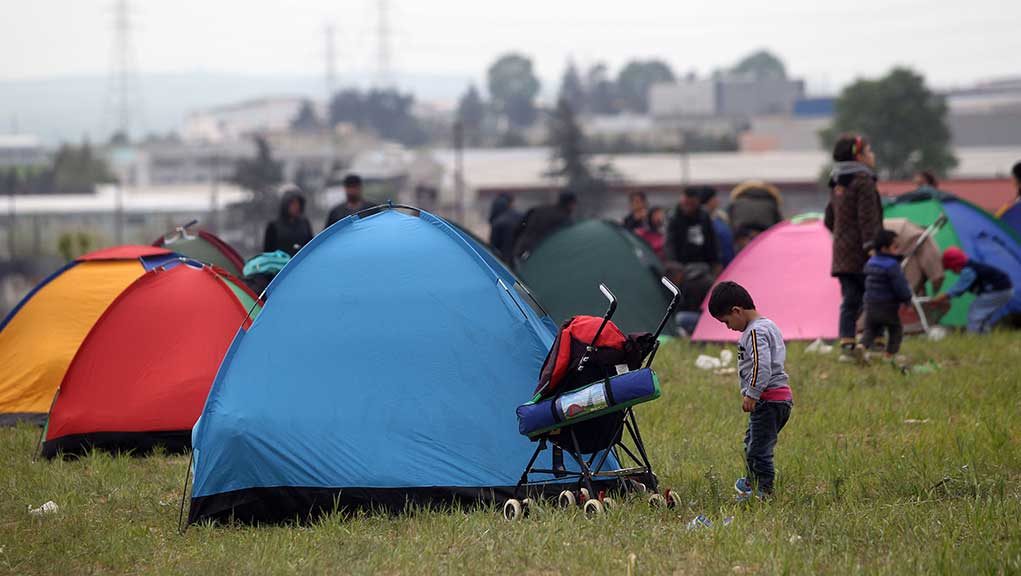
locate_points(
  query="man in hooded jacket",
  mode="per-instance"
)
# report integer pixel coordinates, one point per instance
(291, 229)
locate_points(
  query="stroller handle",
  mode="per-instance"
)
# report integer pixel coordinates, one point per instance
(674, 301)
(666, 317)
(670, 286)
(612, 299)
(606, 318)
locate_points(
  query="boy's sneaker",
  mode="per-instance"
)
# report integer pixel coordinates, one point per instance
(743, 488)
(746, 492)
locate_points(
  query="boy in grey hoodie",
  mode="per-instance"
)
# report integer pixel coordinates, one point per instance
(765, 391)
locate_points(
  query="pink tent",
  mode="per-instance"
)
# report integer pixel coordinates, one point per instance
(787, 271)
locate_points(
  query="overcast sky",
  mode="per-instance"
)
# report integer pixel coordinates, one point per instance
(828, 43)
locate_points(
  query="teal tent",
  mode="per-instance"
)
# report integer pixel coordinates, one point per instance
(565, 269)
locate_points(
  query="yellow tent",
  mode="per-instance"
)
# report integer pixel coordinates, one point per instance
(41, 335)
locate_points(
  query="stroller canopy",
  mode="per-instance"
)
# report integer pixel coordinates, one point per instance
(204, 247)
(385, 368)
(41, 335)
(969, 227)
(786, 269)
(141, 375)
(563, 270)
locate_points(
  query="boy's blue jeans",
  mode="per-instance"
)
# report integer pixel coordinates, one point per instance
(984, 311)
(764, 425)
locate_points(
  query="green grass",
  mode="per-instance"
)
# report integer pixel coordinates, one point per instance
(860, 490)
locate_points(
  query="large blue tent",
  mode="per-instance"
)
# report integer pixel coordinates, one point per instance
(384, 369)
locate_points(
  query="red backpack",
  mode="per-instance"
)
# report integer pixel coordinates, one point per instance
(614, 353)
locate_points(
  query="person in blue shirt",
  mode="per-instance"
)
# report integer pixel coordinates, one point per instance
(724, 237)
(992, 288)
(886, 288)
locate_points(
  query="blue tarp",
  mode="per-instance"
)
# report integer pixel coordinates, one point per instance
(392, 353)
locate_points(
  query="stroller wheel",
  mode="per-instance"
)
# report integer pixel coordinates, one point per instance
(609, 503)
(567, 499)
(672, 499)
(584, 494)
(594, 508)
(657, 501)
(513, 510)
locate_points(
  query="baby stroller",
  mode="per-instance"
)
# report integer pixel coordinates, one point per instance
(590, 381)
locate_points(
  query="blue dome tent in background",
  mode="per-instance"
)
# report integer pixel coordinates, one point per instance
(384, 369)
(1012, 218)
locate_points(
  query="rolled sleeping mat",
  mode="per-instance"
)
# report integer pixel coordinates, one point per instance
(592, 401)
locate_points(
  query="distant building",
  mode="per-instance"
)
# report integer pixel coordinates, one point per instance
(687, 98)
(21, 150)
(308, 156)
(236, 121)
(987, 114)
(815, 107)
(141, 215)
(783, 133)
(733, 97)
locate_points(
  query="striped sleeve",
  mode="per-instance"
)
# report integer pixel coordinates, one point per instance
(761, 358)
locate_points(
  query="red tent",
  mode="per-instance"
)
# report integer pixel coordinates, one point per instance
(786, 269)
(141, 376)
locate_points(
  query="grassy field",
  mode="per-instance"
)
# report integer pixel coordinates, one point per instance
(878, 473)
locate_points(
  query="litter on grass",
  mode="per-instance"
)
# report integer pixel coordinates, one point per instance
(48, 508)
(707, 362)
(818, 347)
(703, 521)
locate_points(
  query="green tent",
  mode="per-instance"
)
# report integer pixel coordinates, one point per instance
(204, 247)
(968, 227)
(565, 271)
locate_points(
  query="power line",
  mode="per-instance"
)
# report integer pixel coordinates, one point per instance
(122, 96)
(384, 72)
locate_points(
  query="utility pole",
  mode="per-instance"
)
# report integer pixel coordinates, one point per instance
(383, 55)
(11, 223)
(331, 89)
(118, 214)
(214, 195)
(685, 167)
(122, 67)
(459, 170)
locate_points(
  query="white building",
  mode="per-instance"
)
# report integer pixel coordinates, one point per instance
(236, 121)
(21, 150)
(732, 97)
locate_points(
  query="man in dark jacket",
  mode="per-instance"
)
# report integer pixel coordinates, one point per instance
(690, 237)
(542, 221)
(291, 230)
(353, 201)
(691, 241)
(854, 216)
(504, 223)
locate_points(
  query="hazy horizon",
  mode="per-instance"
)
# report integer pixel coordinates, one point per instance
(829, 45)
(57, 57)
